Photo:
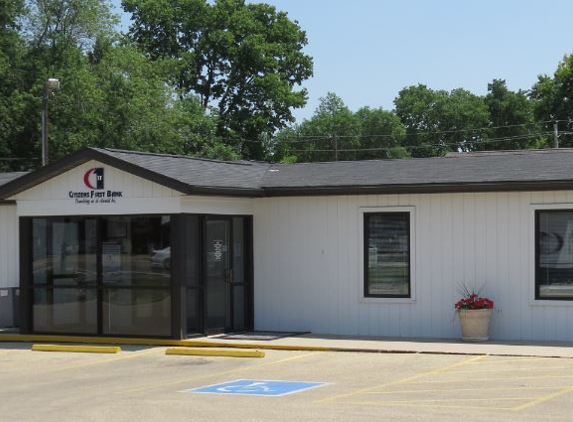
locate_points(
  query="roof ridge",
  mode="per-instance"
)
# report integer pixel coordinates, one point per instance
(452, 154)
(480, 154)
(14, 172)
(187, 157)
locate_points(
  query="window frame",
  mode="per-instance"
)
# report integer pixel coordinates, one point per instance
(30, 286)
(365, 295)
(536, 252)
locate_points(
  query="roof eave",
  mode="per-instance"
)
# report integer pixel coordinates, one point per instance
(225, 191)
(82, 156)
(503, 186)
(45, 173)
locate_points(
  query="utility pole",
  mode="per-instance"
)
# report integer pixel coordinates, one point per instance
(335, 141)
(51, 85)
(555, 135)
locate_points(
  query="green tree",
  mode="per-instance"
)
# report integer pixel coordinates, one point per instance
(511, 119)
(335, 132)
(12, 76)
(381, 134)
(56, 30)
(553, 100)
(246, 60)
(119, 100)
(51, 42)
(331, 133)
(440, 121)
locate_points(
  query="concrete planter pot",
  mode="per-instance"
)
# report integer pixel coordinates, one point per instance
(474, 324)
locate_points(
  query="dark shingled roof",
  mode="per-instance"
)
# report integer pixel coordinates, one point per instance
(8, 177)
(196, 171)
(464, 172)
(531, 166)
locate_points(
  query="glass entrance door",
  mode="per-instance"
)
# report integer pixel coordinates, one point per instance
(225, 274)
(218, 273)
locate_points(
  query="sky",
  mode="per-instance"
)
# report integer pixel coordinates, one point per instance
(366, 51)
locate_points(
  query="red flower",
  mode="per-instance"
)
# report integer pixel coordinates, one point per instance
(473, 301)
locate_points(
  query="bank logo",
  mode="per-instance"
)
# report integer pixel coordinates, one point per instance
(93, 178)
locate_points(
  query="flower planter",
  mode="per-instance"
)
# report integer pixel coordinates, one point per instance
(474, 323)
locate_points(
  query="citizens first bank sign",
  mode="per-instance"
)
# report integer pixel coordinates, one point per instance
(95, 193)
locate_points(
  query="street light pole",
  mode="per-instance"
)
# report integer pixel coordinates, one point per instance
(51, 85)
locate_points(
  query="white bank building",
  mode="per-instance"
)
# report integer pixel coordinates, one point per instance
(121, 243)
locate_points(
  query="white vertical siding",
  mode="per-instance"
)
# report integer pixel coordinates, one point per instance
(9, 249)
(308, 261)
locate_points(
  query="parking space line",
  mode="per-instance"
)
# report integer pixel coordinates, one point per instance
(212, 374)
(402, 381)
(522, 359)
(449, 399)
(543, 399)
(448, 381)
(454, 390)
(540, 368)
(131, 355)
(433, 405)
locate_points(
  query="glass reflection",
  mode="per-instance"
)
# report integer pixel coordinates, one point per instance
(137, 312)
(64, 251)
(136, 251)
(65, 310)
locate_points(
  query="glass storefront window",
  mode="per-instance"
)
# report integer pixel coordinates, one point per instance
(126, 259)
(112, 275)
(65, 310)
(64, 251)
(40, 261)
(136, 251)
(137, 312)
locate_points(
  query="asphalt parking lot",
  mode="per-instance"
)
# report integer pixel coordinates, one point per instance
(142, 383)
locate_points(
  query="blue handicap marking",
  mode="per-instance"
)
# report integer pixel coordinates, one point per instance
(257, 387)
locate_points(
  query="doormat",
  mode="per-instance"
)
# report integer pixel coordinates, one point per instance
(261, 335)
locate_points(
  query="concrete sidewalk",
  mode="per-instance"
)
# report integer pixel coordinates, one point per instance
(311, 342)
(430, 346)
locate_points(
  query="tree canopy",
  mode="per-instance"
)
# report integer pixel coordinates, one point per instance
(245, 60)
(220, 79)
(112, 94)
(553, 99)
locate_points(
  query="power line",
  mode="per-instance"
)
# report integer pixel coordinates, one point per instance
(412, 147)
(369, 137)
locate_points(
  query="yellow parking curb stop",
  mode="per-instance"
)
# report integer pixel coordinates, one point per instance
(75, 349)
(215, 352)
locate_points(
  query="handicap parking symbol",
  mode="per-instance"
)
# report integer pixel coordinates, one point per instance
(257, 387)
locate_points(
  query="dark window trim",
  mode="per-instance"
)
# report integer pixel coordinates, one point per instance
(177, 283)
(366, 233)
(537, 270)
(27, 285)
